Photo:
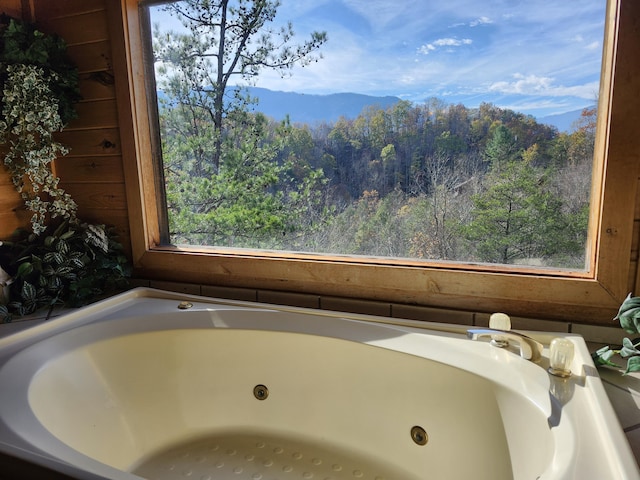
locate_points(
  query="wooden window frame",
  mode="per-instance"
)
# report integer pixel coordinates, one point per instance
(591, 296)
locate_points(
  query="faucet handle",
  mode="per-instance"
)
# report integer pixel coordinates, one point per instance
(500, 321)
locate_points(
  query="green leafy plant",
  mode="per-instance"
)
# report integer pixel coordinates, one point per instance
(76, 262)
(629, 318)
(72, 265)
(38, 87)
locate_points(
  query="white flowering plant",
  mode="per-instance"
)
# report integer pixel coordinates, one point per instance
(38, 86)
(62, 260)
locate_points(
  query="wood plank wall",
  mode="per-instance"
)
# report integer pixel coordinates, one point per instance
(93, 171)
(12, 215)
(634, 270)
(11, 7)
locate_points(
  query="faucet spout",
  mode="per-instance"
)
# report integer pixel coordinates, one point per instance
(530, 349)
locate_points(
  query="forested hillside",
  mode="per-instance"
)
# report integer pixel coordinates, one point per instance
(428, 181)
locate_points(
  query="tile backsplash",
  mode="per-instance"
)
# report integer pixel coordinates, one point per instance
(612, 335)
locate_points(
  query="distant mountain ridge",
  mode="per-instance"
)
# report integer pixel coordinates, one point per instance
(311, 108)
(563, 121)
(305, 108)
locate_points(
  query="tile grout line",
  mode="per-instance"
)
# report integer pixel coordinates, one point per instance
(631, 428)
(619, 387)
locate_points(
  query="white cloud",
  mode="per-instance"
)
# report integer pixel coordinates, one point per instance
(452, 42)
(380, 13)
(392, 50)
(542, 104)
(481, 21)
(443, 42)
(592, 46)
(522, 84)
(536, 85)
(425, 49)
(408, 79)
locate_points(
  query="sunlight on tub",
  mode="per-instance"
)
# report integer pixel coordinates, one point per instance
(163, 394)
(138, 387)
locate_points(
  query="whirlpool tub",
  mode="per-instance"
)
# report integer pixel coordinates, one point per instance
(158, 385)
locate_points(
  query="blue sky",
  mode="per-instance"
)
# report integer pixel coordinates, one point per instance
(537, 57)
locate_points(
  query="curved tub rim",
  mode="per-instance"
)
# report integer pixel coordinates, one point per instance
(114, 304)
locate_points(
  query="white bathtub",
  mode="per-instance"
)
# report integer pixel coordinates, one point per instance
(135, 386)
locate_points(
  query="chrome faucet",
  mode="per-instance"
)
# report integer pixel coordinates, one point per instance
(501, 336)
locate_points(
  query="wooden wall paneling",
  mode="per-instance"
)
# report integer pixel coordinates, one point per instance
(9, 197)
(97, 86)
(11, 221)
(95, 114)
(632, 277)
(100, 141)
(49, 9)
(93, 27)
(12, 211)
(98, 196)
(634, 281)
(92, 172)
(13, 8)
(97, 203)
(635, 242)
(116, 219)
(91, 57)
(5, 177)
(90, 169)
(635, 257)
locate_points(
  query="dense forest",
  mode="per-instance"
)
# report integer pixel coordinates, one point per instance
(428, 181)
(424, 181)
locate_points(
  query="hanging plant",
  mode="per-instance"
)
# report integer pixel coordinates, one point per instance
(38, 88)
(73, 262)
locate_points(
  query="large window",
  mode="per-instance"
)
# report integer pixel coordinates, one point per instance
(467, 199)
(424, 146)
